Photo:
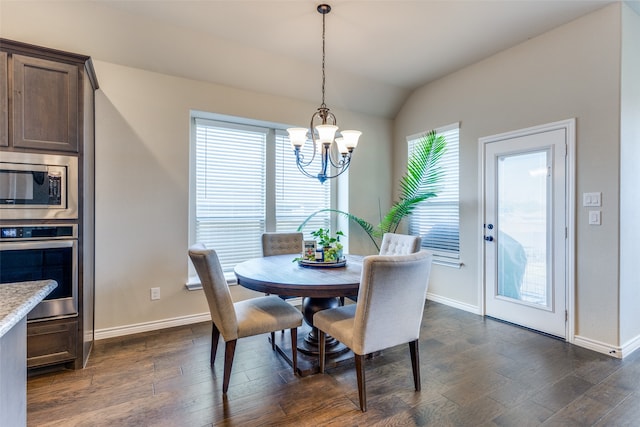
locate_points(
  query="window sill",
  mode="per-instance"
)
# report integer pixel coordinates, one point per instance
(192, 286)
(447, 262)
(193, 283)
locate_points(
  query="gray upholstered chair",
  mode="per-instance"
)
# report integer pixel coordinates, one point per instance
(396, 244)
(391, 299)
(241, 319)
(399, 244)
(277, 243)
(281, 243)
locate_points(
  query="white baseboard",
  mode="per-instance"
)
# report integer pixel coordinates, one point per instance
(604, 348)
(119, 331)
(598, 346)
(630, 346)
(100, 334)
(454, 303)
(614, 351)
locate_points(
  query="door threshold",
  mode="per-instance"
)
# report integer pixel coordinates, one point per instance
(546, 334)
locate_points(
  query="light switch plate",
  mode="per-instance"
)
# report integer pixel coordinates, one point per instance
(594, 218)
(592, 199)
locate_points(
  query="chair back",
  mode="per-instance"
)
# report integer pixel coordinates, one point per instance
(281, 243)
(216, 289)
(399, 244)
(391, 299)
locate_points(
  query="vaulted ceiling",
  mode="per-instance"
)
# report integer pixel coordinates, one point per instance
(377, 52)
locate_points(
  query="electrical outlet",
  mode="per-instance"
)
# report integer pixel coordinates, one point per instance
(155, 293)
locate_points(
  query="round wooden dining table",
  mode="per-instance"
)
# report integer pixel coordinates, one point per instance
(321, 286)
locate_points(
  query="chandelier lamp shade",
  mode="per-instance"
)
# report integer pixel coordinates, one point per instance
(335, 152)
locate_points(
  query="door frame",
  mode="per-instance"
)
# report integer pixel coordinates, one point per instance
(569, 126)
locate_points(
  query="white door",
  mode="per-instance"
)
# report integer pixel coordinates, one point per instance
(525, 229)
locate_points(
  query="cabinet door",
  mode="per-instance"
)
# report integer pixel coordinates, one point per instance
(4, 101)
(51, 342)
(45, 104)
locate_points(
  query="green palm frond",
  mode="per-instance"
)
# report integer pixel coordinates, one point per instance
(419, 183)
(422, 167)
(400, 210)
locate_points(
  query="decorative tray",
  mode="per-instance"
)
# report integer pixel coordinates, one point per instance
(321, 264)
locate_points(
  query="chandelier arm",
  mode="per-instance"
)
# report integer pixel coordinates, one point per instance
(337, 174)
(305, 173)
(300, 158)
(344, 160)
(301, 167)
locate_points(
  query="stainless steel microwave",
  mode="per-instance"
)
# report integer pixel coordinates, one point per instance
(38, 186)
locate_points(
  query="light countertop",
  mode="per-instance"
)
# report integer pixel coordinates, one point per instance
(18, 299)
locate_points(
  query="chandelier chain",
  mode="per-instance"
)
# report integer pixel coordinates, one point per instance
(323, 105)
(323, 135)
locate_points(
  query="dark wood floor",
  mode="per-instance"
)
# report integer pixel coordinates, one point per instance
(475, 372)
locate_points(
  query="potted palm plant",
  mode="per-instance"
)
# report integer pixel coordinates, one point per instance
(419, 183)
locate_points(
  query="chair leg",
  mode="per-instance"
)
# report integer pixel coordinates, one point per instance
(415, 363)
(215, 336)
(273, 341)
(294, 349)
(362, 393)
(321, 348)
(229, 352)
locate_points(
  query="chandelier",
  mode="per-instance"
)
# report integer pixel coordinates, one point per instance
(323, 126)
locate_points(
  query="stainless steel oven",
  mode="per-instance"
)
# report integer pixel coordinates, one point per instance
(38, 186)
(37, 252)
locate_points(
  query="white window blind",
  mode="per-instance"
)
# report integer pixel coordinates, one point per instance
(246, 182)
(230, 190)
(437, 219)
(298, 196)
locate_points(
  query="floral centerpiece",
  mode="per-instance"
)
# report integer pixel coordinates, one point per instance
(325, 248)
(330, 245)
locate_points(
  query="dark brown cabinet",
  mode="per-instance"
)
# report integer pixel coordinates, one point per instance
(52, 342)
(47, 106)
(4, 101)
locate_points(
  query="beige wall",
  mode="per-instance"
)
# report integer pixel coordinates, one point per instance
(142, 137)
(630, 178)
(142, 178)
(571, 71)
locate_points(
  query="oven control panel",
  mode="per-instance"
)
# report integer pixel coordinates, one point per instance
(27, 232)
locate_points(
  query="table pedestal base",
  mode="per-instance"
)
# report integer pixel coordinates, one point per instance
(308, 363)
(308, 344)
(311, 345)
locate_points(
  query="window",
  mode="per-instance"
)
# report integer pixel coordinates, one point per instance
(298, 196)
(245, 182)
(437, 219)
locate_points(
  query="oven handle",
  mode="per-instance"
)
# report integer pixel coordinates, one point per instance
(38, 244)
(18, 167)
